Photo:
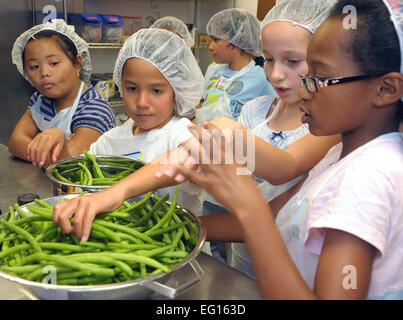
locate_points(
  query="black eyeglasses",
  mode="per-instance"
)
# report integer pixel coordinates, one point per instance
(312, 84)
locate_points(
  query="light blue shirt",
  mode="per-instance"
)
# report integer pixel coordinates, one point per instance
(247, 87)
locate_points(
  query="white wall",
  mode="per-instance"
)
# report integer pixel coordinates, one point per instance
(250, 5)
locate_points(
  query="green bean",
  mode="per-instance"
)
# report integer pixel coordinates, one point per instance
(168, 229)
(143, 270)
(95, 166)
(87, 173)
(9, 251)
(116, 214)
(129, 257)
(43, 212)
(95, 245)
(98, 258)
(22, 269)
(168, 215)
(11, 212)
(63, 246)
(43, 204)
(21, 212)
(72, 274)
(57, 175)
(153, 252)
(24, 234)
(154, 209)
(175, 254)
(108, 233)
(124, 229)
(99, 271)
(131, 247)
(140, 203)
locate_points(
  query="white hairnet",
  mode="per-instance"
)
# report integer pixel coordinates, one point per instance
(174, 24)
(61, 27)
(238, 27)
(308, 14)
(173, 58)
(396, 15)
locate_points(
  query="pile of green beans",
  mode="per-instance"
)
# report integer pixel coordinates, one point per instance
(137, 240)
(93, 171)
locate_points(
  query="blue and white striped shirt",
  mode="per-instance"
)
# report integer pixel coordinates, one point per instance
(92, 111)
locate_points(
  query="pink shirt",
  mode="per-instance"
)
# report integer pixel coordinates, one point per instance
(361, 194)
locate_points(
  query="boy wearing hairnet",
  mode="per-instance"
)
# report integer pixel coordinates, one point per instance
(176, 26)
(65, 115)
(161, 83)
(233, 78)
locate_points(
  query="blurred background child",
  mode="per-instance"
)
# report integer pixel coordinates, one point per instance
(233, 78)
(65, 115)
(285, 33)
(176, 26)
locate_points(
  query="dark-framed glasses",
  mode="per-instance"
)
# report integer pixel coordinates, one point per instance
(312, 84)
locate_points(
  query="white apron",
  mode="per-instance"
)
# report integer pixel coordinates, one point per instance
(62, 120)
(220, 106)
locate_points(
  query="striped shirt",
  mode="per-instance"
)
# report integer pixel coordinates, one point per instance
(92, 111)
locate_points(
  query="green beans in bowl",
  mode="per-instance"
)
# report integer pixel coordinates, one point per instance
(132, 252)
(90, 173)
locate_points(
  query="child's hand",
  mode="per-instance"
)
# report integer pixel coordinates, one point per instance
(171, 161)
(84, 210)
(220, 177)
(46, 146)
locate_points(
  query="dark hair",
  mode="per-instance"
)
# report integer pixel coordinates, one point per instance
(374, 45)
(64, 42)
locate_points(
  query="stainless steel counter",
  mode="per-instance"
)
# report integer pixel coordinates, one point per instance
(219, 281)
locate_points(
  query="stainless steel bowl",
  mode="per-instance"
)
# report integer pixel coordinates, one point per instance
(182, 276)
(63, 188)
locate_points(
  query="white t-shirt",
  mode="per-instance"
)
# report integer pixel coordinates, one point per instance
(361, 194)
(148, 146)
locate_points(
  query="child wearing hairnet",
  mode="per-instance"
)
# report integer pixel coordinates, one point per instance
(341, 235)
(233, 78)
(161, 83)
(176, 26)
(285, 32)
(65, 115)
(285, 144)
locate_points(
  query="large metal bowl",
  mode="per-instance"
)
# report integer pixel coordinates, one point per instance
(182, 276)
(63, 188)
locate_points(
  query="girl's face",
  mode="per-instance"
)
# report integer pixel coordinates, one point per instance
(49, 69)
(148, 97)
(341, 108)
(221, 50)
(284, 48)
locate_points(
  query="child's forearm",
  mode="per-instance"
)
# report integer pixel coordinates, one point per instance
(18, 146)
(277, 275)
(141, 182)
(223, 227)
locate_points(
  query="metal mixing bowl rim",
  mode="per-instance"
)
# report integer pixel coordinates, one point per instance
(83, 186)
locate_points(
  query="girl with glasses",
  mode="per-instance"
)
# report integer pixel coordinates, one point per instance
(340, 236)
